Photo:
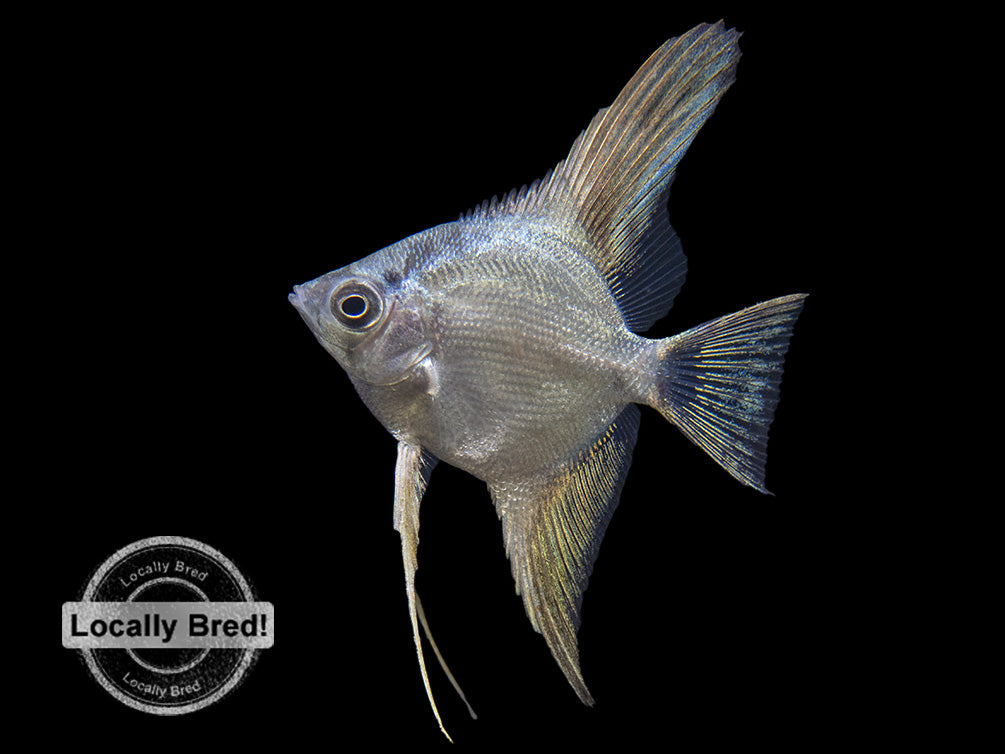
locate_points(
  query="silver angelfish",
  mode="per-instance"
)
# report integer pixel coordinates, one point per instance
(505, 343)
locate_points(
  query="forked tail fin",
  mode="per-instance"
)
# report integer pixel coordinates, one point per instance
(718, 383)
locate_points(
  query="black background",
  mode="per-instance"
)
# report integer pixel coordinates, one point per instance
(198, 167)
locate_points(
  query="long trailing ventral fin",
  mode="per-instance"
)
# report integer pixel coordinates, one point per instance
(411, 476)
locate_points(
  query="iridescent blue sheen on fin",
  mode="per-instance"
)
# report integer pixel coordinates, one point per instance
(718, 383)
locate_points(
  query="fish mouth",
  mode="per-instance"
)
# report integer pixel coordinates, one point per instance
(312, 318)
(302, 305)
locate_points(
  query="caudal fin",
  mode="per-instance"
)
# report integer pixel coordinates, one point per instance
(718, 383)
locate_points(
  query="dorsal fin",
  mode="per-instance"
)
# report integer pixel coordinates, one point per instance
(615, 181)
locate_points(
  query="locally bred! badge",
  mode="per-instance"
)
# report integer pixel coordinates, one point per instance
(168, 625)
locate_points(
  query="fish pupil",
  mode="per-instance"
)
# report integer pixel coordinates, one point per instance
(353, 306)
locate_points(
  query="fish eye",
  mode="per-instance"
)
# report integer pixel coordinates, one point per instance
(356, 305)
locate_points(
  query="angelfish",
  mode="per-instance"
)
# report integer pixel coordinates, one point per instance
(506, 343)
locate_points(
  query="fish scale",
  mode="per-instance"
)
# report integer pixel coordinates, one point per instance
(506, 343)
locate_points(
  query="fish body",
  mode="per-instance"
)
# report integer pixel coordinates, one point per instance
(507, 343)
(513, 352)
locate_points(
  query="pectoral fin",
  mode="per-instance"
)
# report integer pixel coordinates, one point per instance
(553, 525)
(411, 475)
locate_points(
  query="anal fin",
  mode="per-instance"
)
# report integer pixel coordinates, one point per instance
(553, 526)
